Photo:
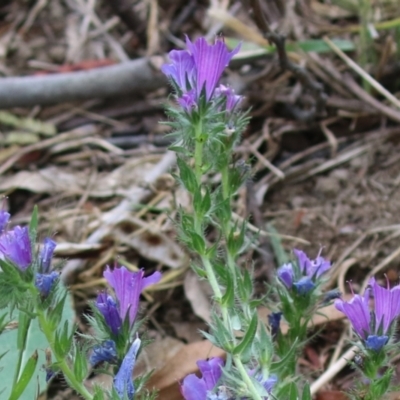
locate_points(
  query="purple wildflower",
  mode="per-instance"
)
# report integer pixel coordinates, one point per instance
(108, 308)
(374, 331)
(104, 352)
(45, 282)
(309, 267)
(304, 285)
(128, 286)
(286, 275)
(357, 311)
(387, 305)
(274, 321)
(195, 388)
(46, 255)
(270, 383)
(123, 381)
(198, 68)
(16, 246)
(232, 99)
(4, 218)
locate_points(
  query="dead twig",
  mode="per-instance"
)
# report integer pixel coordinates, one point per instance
(116, 80)
(299, 72)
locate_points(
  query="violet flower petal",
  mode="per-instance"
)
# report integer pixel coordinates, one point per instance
(211, 371)
(304, 262)
(4, 218)
(104, 352)
(181, 70)
(45, 282)
(304, 285)
(286, 275)
(16, 246)
(108, 308)
(128, 286)
(193, 388)
(210, 62)
(123, 381)
(357, 311)
(376, 343)
(46, 255)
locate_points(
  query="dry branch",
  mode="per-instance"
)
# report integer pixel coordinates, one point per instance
(116, 80)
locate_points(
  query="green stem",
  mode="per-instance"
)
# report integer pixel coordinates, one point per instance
(198, 152)
(246, 378)
(61, 362)
(225, 182)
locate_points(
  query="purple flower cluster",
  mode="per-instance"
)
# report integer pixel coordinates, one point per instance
(309, 271)
(127, 286)
(197, 71)
(16, 246)
(373, 328)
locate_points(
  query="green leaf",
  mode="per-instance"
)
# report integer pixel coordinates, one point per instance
(248, 338)
(25, 377)
(187, 176)
(198, 243)
(80, 364)
(228, 299)
(35, 341)
(306, 392)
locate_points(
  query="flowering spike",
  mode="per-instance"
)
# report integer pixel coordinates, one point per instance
(16, 246)
(123, 380)
(195, 388)
(128, 286)
(45, 282)
(104, 352)
(108, 308)
(46, 255)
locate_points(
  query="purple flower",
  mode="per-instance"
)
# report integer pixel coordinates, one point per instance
(270, 383)
(232, 99)
(274, 321)
(128, 286)
(387, 305)
(357, 311)
(46, 255)
(375, 342)
(375, 330)
(45, 282)
(198, 68)
(108, 308)
(123, 381)
(304, 285)
(104, 352)
(309, 267)
(195, 388)
(210, 62)
(286, 275)
(16, 246)
(4, 218)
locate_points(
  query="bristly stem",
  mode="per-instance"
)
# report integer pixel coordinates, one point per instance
(246, 378)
